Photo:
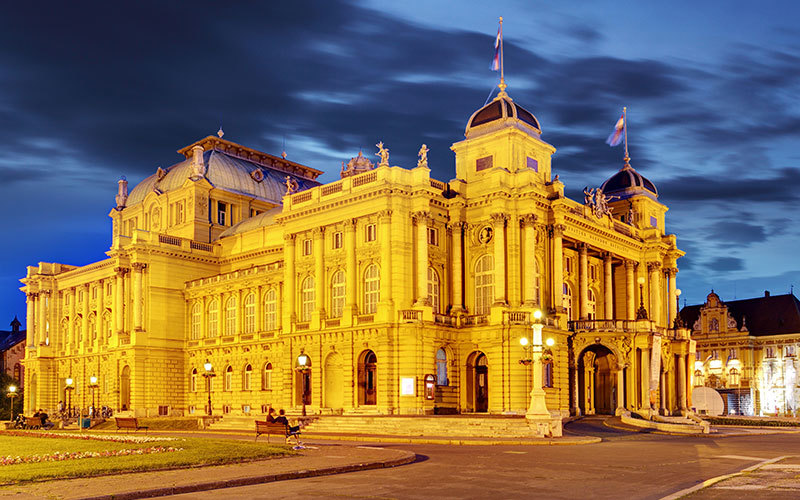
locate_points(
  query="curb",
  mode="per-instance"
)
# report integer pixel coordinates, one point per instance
(456, 441)
(247, 481)
(711, 435)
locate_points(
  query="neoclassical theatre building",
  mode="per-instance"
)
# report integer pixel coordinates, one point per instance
(402, 294)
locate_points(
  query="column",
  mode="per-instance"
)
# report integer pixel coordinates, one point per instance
(620, 389)
(663, 393)
(30, 314)
(681, 382)
(499, 229)
(73, 313)
(576, 407)
(41, 317)
(458, 298)
(319, 269)
(85, 320)
(608, 286)
(119, 289)
(583, 279)
(422, 220)
(138, 268)
(100, 312)
(289, 279)
(630, 290)
(654, 269)
(528, 223)
(645, 379)
(557, 286)
(351, 301)
(673, 299)
(385, 241)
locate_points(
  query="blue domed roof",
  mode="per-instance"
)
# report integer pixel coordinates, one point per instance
(628, 182)
(501, 111)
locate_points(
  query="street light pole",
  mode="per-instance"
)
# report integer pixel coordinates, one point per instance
(538, 404)
(208, 375)
(69, 388)
(302, 368)
(12, 393)
(642, 312)
(93, 386)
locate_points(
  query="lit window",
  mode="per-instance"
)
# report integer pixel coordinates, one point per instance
(733, 377)
(441, 367)
(370, 233)
(248, 372)
(566, 300)
(193, 380)
(270, 310)
(228, 378)
(196, 323)
(591, 313)
(213, 318)
(338, 240)
(250, 313)
(547, 370)
(230, 316)
(308, 247)
(433, 289)
(698, 378)
(484, 284)
(790, 350)
(770, 352)
(433, 236)
(372, 289)
(307, 299)
(337, 294)
(222, 209)
(266, 383)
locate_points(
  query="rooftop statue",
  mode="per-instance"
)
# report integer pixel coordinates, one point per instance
(383, 153)
(291, 185)
(423, 156)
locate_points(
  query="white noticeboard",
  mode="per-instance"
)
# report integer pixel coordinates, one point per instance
(408, 386)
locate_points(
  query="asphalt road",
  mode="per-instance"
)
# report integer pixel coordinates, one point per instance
(624, 465)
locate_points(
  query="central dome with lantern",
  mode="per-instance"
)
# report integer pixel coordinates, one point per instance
(501, 112)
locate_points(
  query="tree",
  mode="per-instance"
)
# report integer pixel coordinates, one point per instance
(5, 402)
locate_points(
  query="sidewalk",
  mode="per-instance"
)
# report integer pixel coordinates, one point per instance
(716, 431)
(771, 479)
(315, 460)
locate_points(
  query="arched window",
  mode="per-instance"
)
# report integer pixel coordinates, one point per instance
(250, 313)
(196, 321)
(698, 378)
(566, 300)
(76, 330)
(248, 376)
(547, 368)
(433, 289)
(193, 380)
(484, 284)
(266, 381)
(228, 378)
(230, 316)
(65, 330)
(308, 298)
(733, 377)
(213, 319)
(107, 324)
(92, 333)
(18, 372)
(337, 294)
(714, 326)
(591, 313)
(441, 367)
(270, 310)
(372, 289)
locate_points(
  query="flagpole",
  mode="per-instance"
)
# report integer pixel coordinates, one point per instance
(502, 70)
(625, 128)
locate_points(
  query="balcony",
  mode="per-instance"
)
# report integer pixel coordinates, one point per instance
(618, 325)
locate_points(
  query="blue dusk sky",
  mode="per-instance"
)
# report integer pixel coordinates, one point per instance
(90, 91)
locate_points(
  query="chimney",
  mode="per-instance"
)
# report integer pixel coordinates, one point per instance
(766, 293)
(198, 166)
(122, 194)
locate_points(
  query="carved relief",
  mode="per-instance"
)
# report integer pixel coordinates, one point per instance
(484, 235)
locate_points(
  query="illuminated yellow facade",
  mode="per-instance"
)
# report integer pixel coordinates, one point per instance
(407, 295)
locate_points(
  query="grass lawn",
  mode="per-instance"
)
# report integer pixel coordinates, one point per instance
(194, 451)
(157, 423)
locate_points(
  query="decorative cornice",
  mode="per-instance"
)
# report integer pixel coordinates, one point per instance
(499, 219)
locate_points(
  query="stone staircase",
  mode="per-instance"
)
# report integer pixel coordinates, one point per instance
(450, 426)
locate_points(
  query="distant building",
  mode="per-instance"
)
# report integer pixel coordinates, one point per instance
(747, 351)
(12, 352)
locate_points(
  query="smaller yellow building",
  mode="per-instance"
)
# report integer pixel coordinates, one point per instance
(747, 351)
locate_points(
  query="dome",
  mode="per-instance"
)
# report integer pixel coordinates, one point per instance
(628, 182)
(224, 171)
(263, 219)
(501, 111)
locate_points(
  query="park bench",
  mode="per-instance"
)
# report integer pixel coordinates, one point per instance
(277, 428)
(128, 423)
(33, 423)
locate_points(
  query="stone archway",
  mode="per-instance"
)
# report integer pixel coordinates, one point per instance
(478, 382)
(597, 380)
(367, 378)
(333, 396)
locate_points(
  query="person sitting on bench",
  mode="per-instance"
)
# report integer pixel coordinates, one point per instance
(293, 429)
(271, 415)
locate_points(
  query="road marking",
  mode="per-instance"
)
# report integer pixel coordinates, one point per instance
(783, 466)
(743, 487)
(370, 447)
(740, 457)
(516, 452)
(715, 480)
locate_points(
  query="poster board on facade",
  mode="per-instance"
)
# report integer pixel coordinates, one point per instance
(408, 386)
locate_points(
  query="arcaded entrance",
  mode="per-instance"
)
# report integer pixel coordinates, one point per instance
(367, 381)
(477, 382)
(597, 381)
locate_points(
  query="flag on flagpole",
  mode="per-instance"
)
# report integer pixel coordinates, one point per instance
(616, 136)
(496, 59)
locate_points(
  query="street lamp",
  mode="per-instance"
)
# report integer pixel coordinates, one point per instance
(92, 386)
(533, 348)
(678, 320)
(69, 388)
(642, 312)
(12, 393)
(302, 369)
(208, 375)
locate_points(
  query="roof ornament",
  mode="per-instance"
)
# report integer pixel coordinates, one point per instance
(257, 175)
(160, 173)
(423, 156)
(220, 132)
(291, 185)
(198, 165)
(122, 193)
(497, 62)
(357, 164)
(597, 201)
(383, 153)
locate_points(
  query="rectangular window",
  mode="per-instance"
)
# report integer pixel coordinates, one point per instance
(179, 213)
(593, 272)
(653, 221)
(371, 232)
(568, 265)
(254, 212)
(533, 164)
(108, 289)
(308, 247)
(338, 240)
(483, 163)
(94, 292)
(770, 352)
(732, 354)
(790, 350)
(222, 208)
(433, 236)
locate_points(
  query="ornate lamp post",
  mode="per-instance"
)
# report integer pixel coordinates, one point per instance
(208, 375)
(538, 405)
(302, 369)
(642, 312)
(92, 386)
(12, 393)
(678, 320)
(69, 388)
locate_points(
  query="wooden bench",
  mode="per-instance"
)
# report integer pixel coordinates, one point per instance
(277, 428)
(128, 423)
(33, 423)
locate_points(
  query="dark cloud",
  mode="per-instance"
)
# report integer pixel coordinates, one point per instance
(741, 233)
(726, 264)
(782, 185)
